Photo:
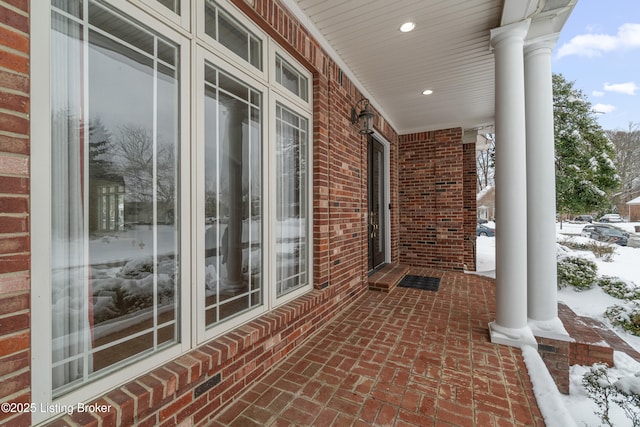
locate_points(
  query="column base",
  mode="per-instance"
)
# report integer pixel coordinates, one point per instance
(514, 337)
(552, 329)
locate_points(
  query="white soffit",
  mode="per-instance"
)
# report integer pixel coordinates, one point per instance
(447, 52)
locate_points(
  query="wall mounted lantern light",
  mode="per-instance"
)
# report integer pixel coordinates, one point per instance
(364, 117)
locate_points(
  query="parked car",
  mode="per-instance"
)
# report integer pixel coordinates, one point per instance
(483, 230)
(610, 235)
(588, 229)
(583, 218)
(611, 218)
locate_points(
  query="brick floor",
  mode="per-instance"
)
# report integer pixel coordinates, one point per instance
(404, 358)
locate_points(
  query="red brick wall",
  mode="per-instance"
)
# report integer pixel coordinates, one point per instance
(434, 216)
(15, 374)
(556, 357)
(469, 205)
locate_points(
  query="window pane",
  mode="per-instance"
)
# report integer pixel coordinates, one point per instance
(172, 5)
(72, 7)
(232, 34)
(291, 79)
(291, 200)
(114, 189)
(233, 194)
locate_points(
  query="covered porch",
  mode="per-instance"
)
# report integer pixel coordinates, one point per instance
(463, 72)
(410, 357)
(407, 357)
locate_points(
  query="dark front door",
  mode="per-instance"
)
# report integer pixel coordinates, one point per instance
(376, 214)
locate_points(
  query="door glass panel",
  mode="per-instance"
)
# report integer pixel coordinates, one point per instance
(376, 204)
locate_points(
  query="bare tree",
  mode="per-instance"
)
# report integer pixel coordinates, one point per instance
(485, 165)
(134, 151)
(147, 171)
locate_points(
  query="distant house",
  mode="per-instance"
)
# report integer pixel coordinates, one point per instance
(486, 204)
(634, 209)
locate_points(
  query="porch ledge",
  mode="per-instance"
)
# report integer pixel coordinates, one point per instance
(387, 278)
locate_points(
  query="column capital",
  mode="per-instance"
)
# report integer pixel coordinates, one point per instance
(517, 30)
(546, 42)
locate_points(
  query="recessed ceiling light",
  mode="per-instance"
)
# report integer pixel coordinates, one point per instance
(407, 26)
(427, 92)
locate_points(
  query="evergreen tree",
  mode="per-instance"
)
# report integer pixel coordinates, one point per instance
(585, 171)
(100, 150)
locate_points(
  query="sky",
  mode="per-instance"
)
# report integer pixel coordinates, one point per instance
(599, 50)
(590, 303)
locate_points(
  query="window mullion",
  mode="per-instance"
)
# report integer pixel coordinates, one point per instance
(86, 332)
(154, 186)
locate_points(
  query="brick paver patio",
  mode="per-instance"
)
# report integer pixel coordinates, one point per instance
(405, 358)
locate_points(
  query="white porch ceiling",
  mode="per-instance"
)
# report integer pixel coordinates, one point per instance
(448, 52)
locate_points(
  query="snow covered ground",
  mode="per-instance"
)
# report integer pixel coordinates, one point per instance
(590, 303)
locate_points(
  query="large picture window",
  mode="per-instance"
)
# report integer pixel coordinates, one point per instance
(114, 147)
(167, 211)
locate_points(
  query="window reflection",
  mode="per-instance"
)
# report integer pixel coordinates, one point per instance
(114, 192)
(291, 200)
(233, 194)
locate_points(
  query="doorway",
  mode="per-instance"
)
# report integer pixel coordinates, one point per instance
(377, 232)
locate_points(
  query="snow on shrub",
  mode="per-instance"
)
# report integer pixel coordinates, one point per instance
(604, 390)
(580, 273)
(619, 288)
(626, 316)
(132, 288)
(604, 251)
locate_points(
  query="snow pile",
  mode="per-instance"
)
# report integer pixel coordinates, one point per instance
(547, 395)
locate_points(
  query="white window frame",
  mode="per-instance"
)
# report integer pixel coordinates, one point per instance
(219, 49)
(274, 50)
(203, 333)
(282, 95)
(195, 48)
(41, 337)
(156, 8)
(274, 99)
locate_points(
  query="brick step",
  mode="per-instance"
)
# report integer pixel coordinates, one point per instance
(593, 334)
(388, 277)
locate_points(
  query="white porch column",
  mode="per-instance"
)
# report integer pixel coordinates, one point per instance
(510, 326)
(542, 295)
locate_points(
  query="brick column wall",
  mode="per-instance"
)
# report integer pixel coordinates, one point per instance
(15, 374)
(556, 356)
(432, 200)
(321, 266)
(469, 205)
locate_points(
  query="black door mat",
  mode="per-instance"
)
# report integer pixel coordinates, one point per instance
(420, 282)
